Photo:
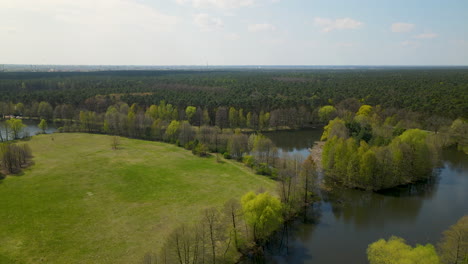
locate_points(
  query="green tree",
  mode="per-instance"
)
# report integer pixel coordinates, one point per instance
(233, 117)
(44, 110)
(190, 112)
(172, 131)
(459, 132)
(16, 126)
(396, 251)
(326, 113)
(262, 212)
(335, 127)
(43, 125)
(206, 117)
(453, 248)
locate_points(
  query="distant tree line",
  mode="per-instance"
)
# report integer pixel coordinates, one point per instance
(441, 92)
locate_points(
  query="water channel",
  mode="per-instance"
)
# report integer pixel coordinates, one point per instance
(346, 221)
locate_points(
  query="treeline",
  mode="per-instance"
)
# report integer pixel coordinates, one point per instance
(242, 228)
(14, 157)
(108, 110)
(440, 92)
(370, 150)
(452, 249)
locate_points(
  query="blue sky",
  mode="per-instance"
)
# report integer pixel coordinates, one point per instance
(234, 32)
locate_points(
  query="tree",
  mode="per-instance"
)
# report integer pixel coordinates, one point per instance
(262, 212)
(263, 149)
(221, 117)
(232, 210)
(44, 110)
(190, 113)
(459, 131)
(172, 131)
(43, 125)
(16, 126)
(187, 134)
(233, 117)
(335, 127)
(115, 142)
(184, 245)
(327, 113)
(396, 251)
(238, 145)
(206, 117)
(13, 157)
(307, 180)
(241, 118)
(453, 248)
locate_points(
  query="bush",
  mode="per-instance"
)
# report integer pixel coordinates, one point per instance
(264, 169)
(226, 155)
(200, 150)
(249, 161)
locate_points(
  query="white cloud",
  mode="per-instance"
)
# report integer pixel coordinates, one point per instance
(232, 36)
(223, 4)
(328, 25)
(207, 22)
(110, 14)
(401, 27)
(346, 44)
(261, 27)
(426, 36)
(410, 43)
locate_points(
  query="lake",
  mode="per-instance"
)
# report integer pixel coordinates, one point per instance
(31, 128)
(347, 221)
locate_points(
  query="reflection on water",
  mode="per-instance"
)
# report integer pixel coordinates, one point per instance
(346, 221)
(31, 128)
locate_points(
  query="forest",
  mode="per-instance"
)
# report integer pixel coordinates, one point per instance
(383, 128)
(430, 91)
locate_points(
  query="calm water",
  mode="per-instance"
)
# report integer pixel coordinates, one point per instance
(31, 128)
(348, 220)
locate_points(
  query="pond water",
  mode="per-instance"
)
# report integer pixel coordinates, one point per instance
(347, 221)
(30, 129)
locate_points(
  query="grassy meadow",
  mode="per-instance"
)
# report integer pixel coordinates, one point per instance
(82, 202)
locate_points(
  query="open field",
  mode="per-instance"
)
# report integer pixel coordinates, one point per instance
(83, 202)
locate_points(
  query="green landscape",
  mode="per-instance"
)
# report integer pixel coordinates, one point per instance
(83, 202)
(233, 132)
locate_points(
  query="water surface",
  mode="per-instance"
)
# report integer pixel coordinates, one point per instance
(31, 128)
(348, 220)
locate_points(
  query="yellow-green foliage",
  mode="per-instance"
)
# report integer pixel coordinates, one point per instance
(454, 245)
(459, 131)
(364, 110)
(262, 212)
(409, 157)
(335, 127)
(396, 251)
(326, 112)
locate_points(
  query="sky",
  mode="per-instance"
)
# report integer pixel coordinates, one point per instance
(234, 32)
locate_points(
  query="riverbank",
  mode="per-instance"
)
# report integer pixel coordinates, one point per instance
(316, 152)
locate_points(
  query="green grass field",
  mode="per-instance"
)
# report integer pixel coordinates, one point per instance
(82, 202)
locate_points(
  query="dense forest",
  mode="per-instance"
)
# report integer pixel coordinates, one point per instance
(442, 92)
